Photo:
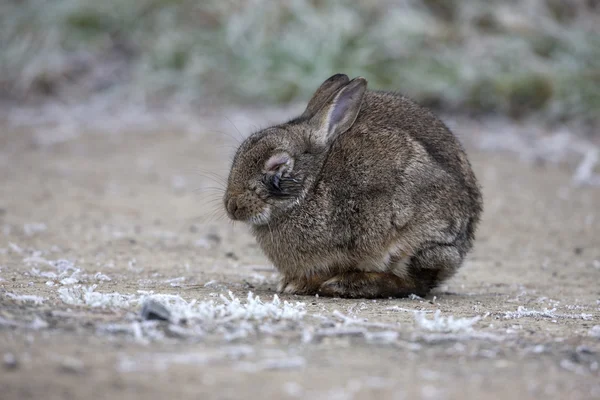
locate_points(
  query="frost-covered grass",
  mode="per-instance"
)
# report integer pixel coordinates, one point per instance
(227, 316)
(232, 318)
(226, 309)
(523, 312)
(26, 298)
(532, 142)
(443, 324)
(516, 58)
(63, 272)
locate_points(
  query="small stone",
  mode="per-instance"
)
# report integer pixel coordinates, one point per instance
(152, 310)
(578, 250)
(10, 361)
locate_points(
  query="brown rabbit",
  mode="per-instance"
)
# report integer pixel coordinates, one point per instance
(366, 194)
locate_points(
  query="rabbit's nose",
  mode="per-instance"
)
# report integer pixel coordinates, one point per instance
(232, 205)
(237, 209)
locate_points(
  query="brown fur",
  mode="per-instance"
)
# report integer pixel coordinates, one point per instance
(376, 198)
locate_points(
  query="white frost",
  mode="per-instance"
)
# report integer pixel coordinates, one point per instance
(99, 276)
(229, 317)
(33, 228)
(26, 298)
(65, 273)
(447, 324)
(15, 248)
(523, 312)
(410, 310)
(227, 309)
(80, 295)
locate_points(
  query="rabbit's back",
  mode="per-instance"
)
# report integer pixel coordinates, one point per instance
(396, 141)
(400, 167)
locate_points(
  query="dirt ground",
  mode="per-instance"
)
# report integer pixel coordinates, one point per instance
(124, 209)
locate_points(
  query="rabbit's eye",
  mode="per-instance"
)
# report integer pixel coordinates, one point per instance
(275, 181)
(282, 185)
(273, 184)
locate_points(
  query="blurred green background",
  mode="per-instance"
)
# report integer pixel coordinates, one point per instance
(527, 58)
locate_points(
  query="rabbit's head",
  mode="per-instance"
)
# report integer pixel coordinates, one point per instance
(274, 168)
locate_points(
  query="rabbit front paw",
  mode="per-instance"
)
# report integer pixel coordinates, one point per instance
(299, 285)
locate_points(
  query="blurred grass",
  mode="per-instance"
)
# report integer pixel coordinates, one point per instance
(518, 58)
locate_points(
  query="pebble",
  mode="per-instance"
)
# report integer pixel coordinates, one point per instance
(152, 310)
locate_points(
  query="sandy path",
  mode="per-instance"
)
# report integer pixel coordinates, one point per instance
(124, 206)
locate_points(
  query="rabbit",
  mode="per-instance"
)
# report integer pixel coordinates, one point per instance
(365, 195)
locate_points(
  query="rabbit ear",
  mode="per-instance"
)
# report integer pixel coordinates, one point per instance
(324, 92)
(339, 113)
